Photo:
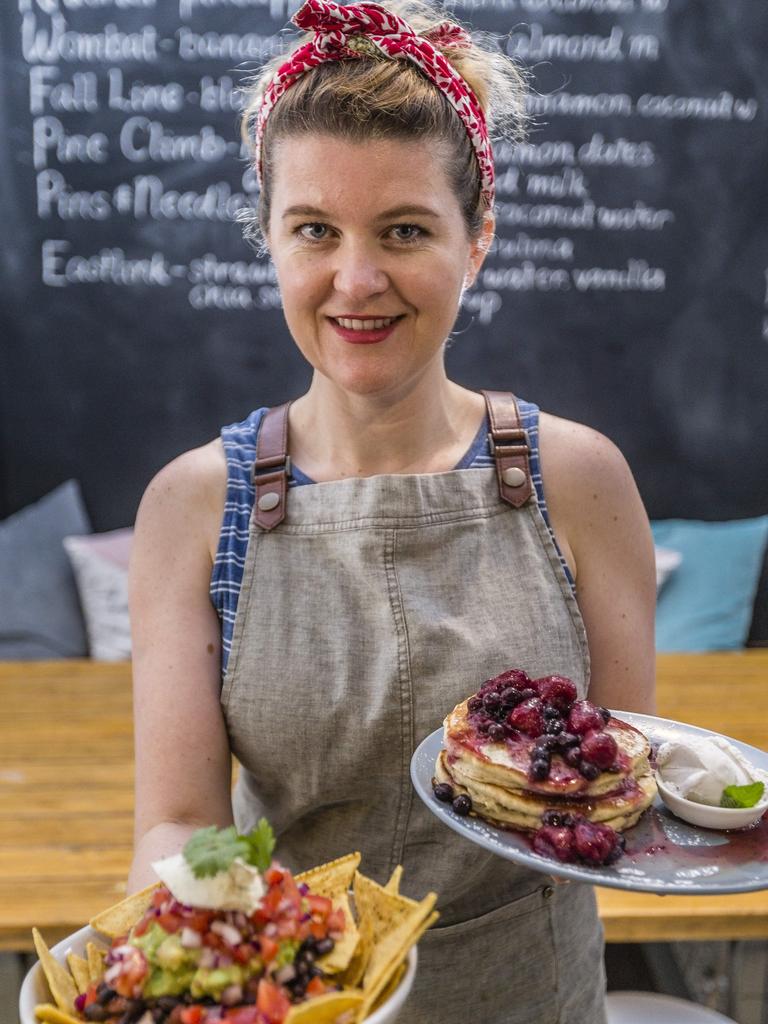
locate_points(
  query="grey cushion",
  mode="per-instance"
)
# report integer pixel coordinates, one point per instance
(40, 614)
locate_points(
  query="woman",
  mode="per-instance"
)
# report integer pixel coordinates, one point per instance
(388, 569)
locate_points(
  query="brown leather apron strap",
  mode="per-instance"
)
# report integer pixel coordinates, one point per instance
(271, 468)
(510, 448)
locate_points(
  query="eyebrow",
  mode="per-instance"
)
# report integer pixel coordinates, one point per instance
(396, 211)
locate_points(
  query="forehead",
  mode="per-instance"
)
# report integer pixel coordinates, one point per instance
(340, 176)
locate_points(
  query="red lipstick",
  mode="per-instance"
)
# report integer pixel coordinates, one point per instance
(363, 337)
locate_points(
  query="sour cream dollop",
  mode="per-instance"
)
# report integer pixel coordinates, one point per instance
(240, 887)
(700, 767)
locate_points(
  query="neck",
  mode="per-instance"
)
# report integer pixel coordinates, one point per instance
(425, 428)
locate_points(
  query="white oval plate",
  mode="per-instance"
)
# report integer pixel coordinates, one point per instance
(664, 854)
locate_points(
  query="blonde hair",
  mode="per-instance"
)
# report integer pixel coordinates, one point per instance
(373, 97)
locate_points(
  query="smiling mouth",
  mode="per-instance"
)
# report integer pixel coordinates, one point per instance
(372, 324)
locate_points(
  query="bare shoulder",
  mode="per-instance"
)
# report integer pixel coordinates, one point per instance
(582, 469)
(185, 499)
(577, 454)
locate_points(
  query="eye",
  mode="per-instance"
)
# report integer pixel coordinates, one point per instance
(312, 237)
(416, 233)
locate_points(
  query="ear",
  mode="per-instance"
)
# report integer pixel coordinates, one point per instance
(479, 249)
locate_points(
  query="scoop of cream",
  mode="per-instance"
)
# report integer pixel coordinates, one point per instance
(700, 767)
(240, 887)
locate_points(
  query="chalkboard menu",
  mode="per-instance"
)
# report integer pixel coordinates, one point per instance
(627, 287)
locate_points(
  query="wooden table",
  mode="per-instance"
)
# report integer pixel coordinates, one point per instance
(66, 796)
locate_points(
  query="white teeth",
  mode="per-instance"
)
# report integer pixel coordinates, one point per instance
(364, 325)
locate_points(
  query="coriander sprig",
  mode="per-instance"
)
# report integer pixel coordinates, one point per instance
(211, 850)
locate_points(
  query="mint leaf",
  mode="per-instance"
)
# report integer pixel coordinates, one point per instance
(742, 796)
(261, 843)
(211, 850)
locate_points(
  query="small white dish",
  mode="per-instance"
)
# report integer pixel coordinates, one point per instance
(708, 816)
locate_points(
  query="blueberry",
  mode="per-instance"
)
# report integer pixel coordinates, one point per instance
(511, 697)
(497, 732)
(589, 771)
(462, 805)
(543, 746)
(572, 756)
(554, 726)
(567, 820)
(492, 703)
(539, 769)
(552, 818)
(605, 713)
(528, 693)
(550, 711)
(443, 792)
(484, 725)
(567, 739)
(474, 704)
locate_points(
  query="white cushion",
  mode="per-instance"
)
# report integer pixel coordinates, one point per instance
(652, 1008)
(100, 563)
(667, 561)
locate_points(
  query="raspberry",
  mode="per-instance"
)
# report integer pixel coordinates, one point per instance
(595, 844)
(555, 841)
(599, 748)
(558, 691)
(583, 716)
(514, 677)
(528, 717)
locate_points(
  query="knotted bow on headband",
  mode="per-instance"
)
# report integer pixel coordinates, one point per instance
(357, 30)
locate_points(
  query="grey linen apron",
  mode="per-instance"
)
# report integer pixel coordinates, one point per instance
(369, 608)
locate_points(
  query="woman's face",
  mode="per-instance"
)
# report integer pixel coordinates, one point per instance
(368, 232)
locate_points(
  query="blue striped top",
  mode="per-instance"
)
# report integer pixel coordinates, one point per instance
(239, 440)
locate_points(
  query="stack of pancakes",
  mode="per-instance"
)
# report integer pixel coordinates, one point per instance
(496, 777)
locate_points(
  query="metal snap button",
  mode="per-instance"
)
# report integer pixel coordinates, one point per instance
(268, 501)
(513, 477)
(548, 892)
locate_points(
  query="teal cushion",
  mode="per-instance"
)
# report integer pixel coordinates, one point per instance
(706, 604)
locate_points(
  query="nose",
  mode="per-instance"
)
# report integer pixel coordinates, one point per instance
(359, 272)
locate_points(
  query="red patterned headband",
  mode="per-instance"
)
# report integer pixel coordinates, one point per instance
(357, 30)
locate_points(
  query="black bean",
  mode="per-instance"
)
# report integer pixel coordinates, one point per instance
(96, 1012)
(167, 1003)
(325, 945)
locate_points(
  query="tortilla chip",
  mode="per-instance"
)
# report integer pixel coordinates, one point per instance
(353, 975)
(119, 920)
(78, 967)
(341, 954)
(391, 985)
(333, 878)
(331, 1008)
(393, 885)
(95, 956)
(59, 979)
(53, 1015)
(397, 921)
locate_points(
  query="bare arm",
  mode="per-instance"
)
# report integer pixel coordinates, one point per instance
(600, 520)
(182, 755)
